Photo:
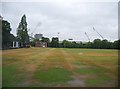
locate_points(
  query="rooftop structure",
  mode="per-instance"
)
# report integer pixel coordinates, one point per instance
(38, 36)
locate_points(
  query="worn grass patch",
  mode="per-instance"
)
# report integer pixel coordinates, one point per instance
(53, 75)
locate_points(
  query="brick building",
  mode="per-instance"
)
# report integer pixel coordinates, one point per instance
(41, 44)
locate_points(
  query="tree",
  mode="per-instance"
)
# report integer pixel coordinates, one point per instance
(6, 41)
(22, 33)
(44, 39)
(47, 40)
(66, 44)
(105, 44)
(55, 42)
(80, 45)
(89, 45)
(116, 44)
(32, 43)
(97, 43)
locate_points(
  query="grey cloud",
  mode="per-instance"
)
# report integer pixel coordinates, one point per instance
(70, 19)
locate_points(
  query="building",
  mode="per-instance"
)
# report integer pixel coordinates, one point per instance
(15, 44)
(41, 44)
(38, 36)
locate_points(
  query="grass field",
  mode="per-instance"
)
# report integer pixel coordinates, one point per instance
(39, 67)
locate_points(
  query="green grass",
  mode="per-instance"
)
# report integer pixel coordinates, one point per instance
(90, 50)
(53, 75)
(91, 70)
(102, 79)
(77, 63)
(85, 71)
(11, 76)
(96, 77)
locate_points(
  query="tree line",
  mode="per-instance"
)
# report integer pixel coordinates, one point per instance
(96, 44)
(23, 39)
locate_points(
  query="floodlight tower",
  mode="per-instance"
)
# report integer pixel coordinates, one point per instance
(98, 33)
(87, 36)
(31, 34)
(35, 28)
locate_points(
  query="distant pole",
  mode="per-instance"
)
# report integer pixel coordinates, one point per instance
(39, 24)
(98, 33)
(87, 36)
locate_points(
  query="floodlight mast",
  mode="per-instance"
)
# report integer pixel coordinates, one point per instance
(35, 28)
(58, 34)
(87, 36)
(98, 33)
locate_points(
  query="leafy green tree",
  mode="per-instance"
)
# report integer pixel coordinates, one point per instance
(116, 44)
(6, 41)
(47, 40)
(66, 44)
(22, 33)
(44, 39)
(32, 43)
(74, 44)
(88, 45)
(80, 45)
(105, 44)
(55, 42)
(97, 43)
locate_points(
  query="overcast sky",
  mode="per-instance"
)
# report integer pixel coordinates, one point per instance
(71, 19)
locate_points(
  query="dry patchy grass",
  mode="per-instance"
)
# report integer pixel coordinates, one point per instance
(35, 65)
